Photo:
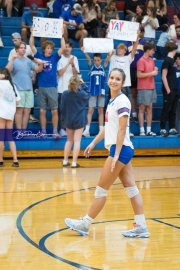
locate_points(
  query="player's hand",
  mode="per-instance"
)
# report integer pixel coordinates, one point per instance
(115, 159)
(89, 148)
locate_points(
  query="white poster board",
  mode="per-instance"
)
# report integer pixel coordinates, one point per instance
(46, 27)
(98, 45)
(123, 30)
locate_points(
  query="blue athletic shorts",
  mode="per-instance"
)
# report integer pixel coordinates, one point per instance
(126, 153)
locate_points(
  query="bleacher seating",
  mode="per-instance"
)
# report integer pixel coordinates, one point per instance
(13, 24)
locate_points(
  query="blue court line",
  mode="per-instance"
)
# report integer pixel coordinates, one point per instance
(171, 225)
(41, 245)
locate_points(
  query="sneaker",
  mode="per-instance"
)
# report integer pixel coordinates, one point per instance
(163, 133)
(33, 119)
(137, 231)
(15, 164)
(134, 119)
(173, 131)
(56, 135)
(77, 225)
(142, 133)
(86, 133)
(131, 135)
(77, 166)
(1, 43)
(2, 164)
(151, 134)
(66, 165)
(63, 133)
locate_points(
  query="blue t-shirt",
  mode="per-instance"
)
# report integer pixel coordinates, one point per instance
(68, 17)
(139, 53)
(61, 5)
(178, 80)
(48, 77)
(27, 18)
(164, 37)
(97, 77)
(21, 73)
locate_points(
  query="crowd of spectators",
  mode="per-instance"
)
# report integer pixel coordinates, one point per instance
(54, 70)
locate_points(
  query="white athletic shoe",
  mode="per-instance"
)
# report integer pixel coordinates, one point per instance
(137, 231)
(79, 226)
(86, 133)
(63, 133)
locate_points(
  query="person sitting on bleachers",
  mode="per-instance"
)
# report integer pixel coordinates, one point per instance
(8, 4)
(164, 37)
(20, 68)
(161, 10)
(73, 24)
(130, 8)
(47, 81)
(91, 12)
(67, 67)
(176, 39)
(27, 21)
(109, 13)
(61, 5)
(16, 39)
(140, 12)
(172, 31)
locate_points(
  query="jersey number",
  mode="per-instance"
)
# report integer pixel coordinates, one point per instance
(97, 80)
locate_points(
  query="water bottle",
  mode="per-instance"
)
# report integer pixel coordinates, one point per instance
(1, 13)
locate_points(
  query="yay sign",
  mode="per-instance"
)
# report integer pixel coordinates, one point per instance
(123, 30)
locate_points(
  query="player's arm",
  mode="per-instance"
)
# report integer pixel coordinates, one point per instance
(108, 58)
(31, 42)
(164, 79)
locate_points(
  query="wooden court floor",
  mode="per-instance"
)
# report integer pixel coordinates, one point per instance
(35, 199)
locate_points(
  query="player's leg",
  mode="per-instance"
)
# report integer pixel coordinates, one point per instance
(127, 178)
(12, 146)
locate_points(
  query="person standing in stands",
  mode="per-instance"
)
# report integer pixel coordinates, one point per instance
(67, 67)
(164, 37)
(177, 61)
(146, 71)
(73, 106)
(169, 90)
(73, 24)
(61, 5)
(27, 22)
(118, 164)
(21, 77)
(47, 81)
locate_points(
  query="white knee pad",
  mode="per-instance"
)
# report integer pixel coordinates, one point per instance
(100, 192)
(132, 191)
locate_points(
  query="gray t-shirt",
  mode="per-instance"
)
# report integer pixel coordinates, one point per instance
(21, 73)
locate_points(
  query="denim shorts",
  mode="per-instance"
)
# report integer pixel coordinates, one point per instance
(125, 155)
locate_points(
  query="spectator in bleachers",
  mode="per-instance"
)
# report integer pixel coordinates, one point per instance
(146, 71)
(140, 12)
(16, 38)
(67, 67)
(150, 24)
(9, 98)
(8, 4)
(97, 77)
(133, 73)
(169, 90)
(73, 24)
(164, 37)
(161, 10)
(61, 5)
(177, 61)
(74, 102)
(47, 81)
(18, 6)
(1, 43)
(130, 8)
(91, 12)
(172, 31)
(21, 77)
(50, 8)
(176, 39)
(109, 13)
(27, 22)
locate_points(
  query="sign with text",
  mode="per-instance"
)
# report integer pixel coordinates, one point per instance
(46, 27)
(123, 30)
(98, 45)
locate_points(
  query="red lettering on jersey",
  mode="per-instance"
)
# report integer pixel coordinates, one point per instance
(106, 117)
